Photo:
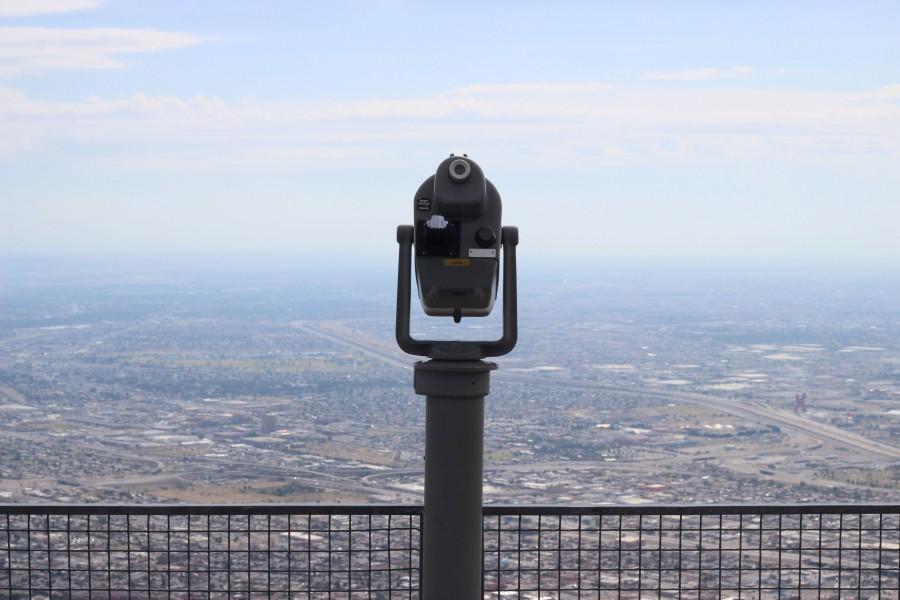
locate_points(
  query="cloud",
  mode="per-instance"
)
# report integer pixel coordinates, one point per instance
(33, 49)
(705, 74)
(567, 125)
(26, 8)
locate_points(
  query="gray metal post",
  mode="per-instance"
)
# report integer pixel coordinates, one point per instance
(454, 450)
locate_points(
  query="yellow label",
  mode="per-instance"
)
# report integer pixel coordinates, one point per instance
(457, 262)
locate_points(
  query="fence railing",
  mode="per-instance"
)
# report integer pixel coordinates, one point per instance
(373, 551)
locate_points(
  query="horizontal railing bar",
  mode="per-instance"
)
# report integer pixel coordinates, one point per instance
(211, 509)
(417, 509)
(690, 509)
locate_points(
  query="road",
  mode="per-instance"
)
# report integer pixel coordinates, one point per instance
(754, 411)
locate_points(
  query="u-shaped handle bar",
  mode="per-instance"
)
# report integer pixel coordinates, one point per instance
(455, 350)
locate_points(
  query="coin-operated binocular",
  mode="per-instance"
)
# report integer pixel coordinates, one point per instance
(458, 241)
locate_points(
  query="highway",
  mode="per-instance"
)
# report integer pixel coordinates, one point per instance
(753, 411)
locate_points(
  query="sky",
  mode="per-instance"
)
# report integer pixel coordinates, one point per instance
(695, 133)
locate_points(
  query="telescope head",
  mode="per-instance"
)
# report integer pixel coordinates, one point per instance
(457, 240)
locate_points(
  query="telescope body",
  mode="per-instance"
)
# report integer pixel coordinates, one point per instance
(457, 240)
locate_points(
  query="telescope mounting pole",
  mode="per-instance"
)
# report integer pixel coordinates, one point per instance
(454, 439)
(454, 382)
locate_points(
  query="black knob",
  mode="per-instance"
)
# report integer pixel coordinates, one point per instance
(485, 237)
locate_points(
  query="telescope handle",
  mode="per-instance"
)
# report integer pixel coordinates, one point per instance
(457, 350)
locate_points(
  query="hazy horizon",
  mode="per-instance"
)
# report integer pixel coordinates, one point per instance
(381, 265)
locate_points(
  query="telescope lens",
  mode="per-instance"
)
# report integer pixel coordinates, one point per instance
(459, 170)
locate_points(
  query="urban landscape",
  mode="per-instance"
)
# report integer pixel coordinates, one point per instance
(625, 390)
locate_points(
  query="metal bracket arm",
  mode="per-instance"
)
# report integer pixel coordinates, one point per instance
(455, 350)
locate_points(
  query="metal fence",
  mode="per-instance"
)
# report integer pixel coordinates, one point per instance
(700, 552)
(372, 551)
(209, 552)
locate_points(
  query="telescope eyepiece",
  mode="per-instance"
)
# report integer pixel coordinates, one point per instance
(459, 170)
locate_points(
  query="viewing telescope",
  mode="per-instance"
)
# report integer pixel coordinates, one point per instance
(458, 241)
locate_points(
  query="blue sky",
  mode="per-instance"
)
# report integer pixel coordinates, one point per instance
(696, 132)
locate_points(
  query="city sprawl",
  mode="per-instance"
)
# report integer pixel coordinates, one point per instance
(624, 389)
